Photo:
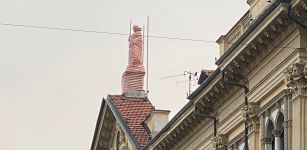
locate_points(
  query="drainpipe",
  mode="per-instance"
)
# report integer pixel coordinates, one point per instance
(205, 115)
(293, 19)
(245, 103)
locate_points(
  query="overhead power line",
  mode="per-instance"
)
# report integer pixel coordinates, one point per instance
(62, 29)
(117, 33)
(99, 32)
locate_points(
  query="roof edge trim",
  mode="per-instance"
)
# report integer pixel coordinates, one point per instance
(97, 124)
(168, 125)
(205, 83)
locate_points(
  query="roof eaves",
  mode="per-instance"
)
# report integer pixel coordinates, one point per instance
(168, 125)
(216, 72)
(185, 108)
(123, 124)
(253, 26)
(204, 84)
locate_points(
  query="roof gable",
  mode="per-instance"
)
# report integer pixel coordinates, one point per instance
(133, 112)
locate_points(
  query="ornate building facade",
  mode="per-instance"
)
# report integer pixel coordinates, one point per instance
(257, 97)
(255, 100)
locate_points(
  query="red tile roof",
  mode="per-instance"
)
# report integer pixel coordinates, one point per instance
(134, 112)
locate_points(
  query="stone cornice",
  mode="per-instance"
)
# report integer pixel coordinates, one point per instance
(275, 71)
(212, 92)
(267, 86)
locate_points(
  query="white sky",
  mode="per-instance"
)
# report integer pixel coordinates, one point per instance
(52, 82)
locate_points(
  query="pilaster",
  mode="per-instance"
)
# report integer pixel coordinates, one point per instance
(296, 82)
(253, 124)
(254, 133)
(287, 124)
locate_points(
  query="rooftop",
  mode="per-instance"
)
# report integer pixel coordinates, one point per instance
(134, 112)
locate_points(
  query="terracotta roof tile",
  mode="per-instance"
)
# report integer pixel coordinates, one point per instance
(134, 112)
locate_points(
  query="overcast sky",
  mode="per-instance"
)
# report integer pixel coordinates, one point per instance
(52, 82)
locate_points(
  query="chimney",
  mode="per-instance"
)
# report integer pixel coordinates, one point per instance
(133, 77)
(156, 121)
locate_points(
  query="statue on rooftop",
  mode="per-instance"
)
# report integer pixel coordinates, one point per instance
(135, 47)
(133, 77)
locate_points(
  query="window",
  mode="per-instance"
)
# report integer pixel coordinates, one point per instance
(117, 140)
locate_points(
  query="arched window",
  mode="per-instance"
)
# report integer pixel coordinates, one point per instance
(269, 138)
(117, 140)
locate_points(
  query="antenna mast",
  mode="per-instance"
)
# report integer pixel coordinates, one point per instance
(143, 42)
(190, 79)
(194, 74)
(147, 91)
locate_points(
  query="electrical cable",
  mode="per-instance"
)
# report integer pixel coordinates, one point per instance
(117, 33)
(99, 32)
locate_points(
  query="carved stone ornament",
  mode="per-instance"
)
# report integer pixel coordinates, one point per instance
(276, 133)
(254, 124)
(250, 110)
(295, 78)
(266, 140)
(287, 124)
(219, 142)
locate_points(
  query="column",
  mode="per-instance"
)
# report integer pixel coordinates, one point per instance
(277, 134)
(267, 142)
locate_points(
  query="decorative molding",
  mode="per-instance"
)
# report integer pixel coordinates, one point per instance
(276, 133)
(287, 124)
(254, 124)
(265, 109)
(266, 140)
(220, 142)
(250, 110)
(295, 78)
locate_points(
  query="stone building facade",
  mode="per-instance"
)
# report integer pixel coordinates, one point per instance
(255, 100)
(257, 97)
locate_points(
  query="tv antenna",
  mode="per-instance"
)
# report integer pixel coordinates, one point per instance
(185, 73)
